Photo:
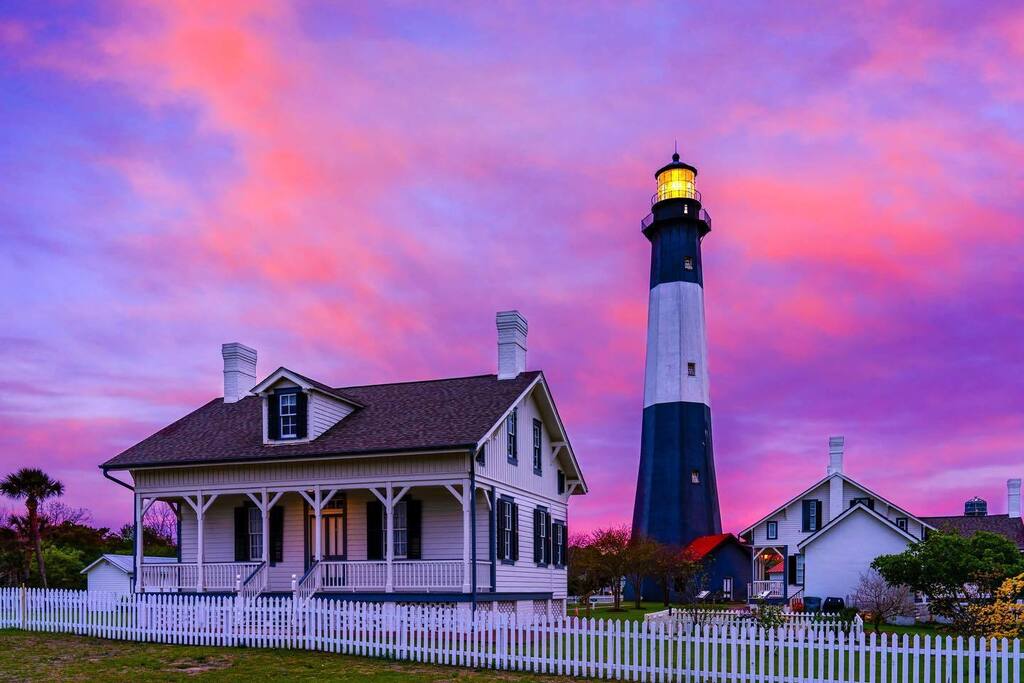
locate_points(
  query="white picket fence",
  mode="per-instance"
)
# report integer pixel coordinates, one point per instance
(676, 617)
(567, 646)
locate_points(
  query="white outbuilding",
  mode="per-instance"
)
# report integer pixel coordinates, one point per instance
(113, 573)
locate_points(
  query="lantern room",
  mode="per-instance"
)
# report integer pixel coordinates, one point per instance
(676, 181)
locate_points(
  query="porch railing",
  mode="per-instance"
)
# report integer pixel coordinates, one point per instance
(163, 578)
(755, 588)
(184, 576)
(254, 583)
(406, 575)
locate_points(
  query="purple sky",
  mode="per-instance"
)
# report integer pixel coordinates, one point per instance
(355, 192)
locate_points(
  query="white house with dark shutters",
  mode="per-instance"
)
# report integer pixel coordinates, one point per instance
(450, 490)
(820, 541)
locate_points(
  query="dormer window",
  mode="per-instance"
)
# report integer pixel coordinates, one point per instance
(287, 414)
(288, 410)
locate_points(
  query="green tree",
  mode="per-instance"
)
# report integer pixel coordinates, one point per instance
(64, 566)
(612, 555)
(642, 555)
(587, 574)
(954, 572)
(34, 486)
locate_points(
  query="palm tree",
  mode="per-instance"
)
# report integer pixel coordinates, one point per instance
(34, 486)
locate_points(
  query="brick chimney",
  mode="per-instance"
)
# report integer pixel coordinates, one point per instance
(239, 371)
(511, 344)
(1013, 498)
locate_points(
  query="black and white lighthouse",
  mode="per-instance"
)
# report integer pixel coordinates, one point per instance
(676, 493)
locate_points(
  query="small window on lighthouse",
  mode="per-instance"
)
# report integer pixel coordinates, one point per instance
(691, 369)
(688, 263)
(695, 477)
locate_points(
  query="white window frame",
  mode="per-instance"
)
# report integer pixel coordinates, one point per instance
(688, 263)
(400, 530)
(812, 517)
(800, 571)
(903, 523)
(289, 420)
(545, 519)
(538, 445)
(255, 534)
(768, 530)
(557, 529)
(512, 436)
(695, 476)
(691, 369)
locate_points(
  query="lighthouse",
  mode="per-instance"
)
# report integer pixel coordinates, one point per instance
(676, 495)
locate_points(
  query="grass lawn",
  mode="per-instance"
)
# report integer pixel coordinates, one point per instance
(30, 656)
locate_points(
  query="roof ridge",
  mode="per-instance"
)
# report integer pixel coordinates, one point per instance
(428, 381)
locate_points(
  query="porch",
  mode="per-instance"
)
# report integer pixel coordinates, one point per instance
(769, 574)
(378, 537)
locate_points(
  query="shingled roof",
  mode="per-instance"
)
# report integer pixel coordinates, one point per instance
(1004, 525)
(410, 416)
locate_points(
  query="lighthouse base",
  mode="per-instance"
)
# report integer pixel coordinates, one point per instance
(676, 492)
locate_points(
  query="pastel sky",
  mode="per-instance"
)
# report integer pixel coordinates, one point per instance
(355, 189)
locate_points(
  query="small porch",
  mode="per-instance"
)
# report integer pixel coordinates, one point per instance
(769, 574)
(377, 537)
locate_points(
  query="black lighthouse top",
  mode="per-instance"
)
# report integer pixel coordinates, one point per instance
(677, 197)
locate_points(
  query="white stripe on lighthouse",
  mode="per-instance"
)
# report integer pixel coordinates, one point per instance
(675, 337)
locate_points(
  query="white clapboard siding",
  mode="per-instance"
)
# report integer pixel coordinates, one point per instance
(565, 646)
(306, 473)
(520, 476)
(105, 577)
(325, 412)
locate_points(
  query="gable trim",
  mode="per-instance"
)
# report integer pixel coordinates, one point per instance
(849, 512)
(819, 483)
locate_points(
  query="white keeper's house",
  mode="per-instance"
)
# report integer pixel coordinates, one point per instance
(820, 541)
(448, 491)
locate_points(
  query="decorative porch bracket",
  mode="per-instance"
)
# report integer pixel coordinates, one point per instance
(318, 502)
(199, 503)
(264, 503)
(389, 499)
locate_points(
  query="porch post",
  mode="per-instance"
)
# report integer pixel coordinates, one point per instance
(318, 545)
(200, 524)
(467, 585)
(389, 540)
(139, 587)
(265, 512)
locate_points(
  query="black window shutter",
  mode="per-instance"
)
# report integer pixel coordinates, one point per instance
(561, 481)
(806, 516)
(515, 531)
(792, 570)
(374, 530)
(274, 416)
(817, 515)
(565, 544)
(276, 534)
(500, 545)
(538, 519)
(242, 534)
(301, 414)
(414, 522)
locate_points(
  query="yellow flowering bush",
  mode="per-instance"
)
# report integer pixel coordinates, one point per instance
(1003, 618)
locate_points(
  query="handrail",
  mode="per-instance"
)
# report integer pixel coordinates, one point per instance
(255, 584)
(309, 584)
(648, 220)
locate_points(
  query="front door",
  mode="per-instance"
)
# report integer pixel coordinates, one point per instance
(333, 523)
